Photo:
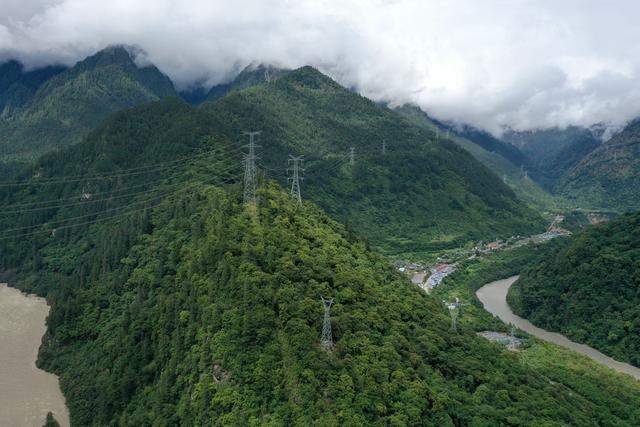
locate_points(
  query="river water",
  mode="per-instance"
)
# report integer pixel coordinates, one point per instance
(494, 298)
(26, 392)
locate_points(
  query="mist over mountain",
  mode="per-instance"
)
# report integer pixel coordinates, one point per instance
(51, 108)
(524, 66)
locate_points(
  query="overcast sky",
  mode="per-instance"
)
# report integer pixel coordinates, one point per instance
(523, 64)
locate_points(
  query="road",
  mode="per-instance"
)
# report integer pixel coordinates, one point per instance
(494, 298)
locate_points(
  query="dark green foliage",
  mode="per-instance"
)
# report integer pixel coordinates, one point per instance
(609, 177)
(51, 422)
(197, 311)
(616, 396)
(493, 144)
(214, 315)
(18, 86)
(554, 152)
(503, 159)
(69, 104)
(250, 76)
(589, 289)
(422, 196)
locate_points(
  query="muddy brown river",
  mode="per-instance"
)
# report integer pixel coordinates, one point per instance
(494, 298)
(26, 392)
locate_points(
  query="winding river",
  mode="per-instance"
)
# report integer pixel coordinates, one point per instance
(494, 298)
(27, 393)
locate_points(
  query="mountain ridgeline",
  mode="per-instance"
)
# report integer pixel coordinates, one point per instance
(172, 303)
(53, 108)
(589, 289)
(421, 195)
(609, 177)
(505, 160)
(177, 305)
(554, 152)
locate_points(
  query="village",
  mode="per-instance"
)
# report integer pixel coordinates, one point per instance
(428, 277)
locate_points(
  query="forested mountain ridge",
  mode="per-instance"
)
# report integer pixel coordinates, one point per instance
(250, 76)
(503, 159)
(71, 103)
(554, 152)
(609, 177)
(17, 86)
(173, 304)
(421, 194)
(589, 289)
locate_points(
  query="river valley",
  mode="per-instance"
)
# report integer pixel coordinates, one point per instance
(27, 393)
(494, 298)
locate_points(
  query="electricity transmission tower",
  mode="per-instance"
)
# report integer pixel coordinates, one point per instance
(327, 340)
(296, 177)
(352, 155)
(455, 310)
(250, 174)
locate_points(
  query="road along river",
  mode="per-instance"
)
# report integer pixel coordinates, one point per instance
(494, 298)
(26, 392)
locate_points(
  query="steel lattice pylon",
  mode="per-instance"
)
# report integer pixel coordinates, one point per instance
(327, 340)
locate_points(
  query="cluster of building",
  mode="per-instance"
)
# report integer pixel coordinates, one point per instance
(427, 277)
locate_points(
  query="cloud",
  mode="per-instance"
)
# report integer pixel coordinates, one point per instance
(523, 64)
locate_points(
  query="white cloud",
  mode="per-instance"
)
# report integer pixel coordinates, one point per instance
(492, 63)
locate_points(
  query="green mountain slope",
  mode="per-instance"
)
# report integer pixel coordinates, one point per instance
(174, 305)
(70, 104)
(589, 289)
(250, 76)
(18, 86)
(554, 152)
(503, 159)
(421, 195)
(609, 177)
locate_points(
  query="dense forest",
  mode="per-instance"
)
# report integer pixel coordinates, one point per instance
(422, 194)
(203, 310)
(503, 159)
(172, 303)
(589, 289)
(554, 152)
(609, 177)
(53, 108)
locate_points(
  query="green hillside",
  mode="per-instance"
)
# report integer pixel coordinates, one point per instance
(18, 86)
(172, 304)
(589, 289)
(70, 104)
(609, 177)
(250, 76)
(504, 160)
(554, 152)
(421, 195)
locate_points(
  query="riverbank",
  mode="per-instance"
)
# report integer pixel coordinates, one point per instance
(493, 296)
(27, 393)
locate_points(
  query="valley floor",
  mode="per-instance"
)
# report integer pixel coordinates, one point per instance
(494, 298)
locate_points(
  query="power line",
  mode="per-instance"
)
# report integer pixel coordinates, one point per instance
(115, 216)
(88, 200)
(120, 173)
